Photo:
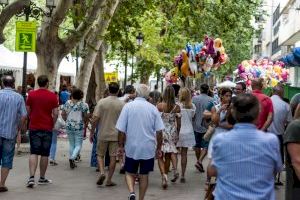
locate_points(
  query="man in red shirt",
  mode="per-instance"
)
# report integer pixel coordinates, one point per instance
(42, 109)
(266, 106)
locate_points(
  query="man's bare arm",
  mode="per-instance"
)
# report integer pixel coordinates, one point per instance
(159, 139)
(211, 170)
(268, 122)
(55, 115)
(121, 139)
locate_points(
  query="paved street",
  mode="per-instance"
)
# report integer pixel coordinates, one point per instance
(80, 183)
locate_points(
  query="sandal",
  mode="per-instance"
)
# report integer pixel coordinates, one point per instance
(110, 184)
(3, 189)
(164, 183)
(199, 166)
(182, 180)
(101, 179)
(176, 176)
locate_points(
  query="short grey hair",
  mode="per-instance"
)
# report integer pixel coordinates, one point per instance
(142, 91)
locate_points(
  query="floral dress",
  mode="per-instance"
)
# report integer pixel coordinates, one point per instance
(170, 132)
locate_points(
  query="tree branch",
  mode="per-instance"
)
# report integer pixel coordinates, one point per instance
(8, 12)
(84, 26)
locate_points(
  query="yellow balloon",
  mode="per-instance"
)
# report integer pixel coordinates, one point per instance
(274, 82)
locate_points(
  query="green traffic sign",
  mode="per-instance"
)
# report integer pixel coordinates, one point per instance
(25, 36)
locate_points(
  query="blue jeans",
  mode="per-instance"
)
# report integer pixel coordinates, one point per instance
(75, 142)
(7, 152)
(53, 145)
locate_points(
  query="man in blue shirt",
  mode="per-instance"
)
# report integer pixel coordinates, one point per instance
(140, 131)
(245, 159)
(12, 110)
(64, 95)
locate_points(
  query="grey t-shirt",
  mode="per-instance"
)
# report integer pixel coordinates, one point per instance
(201, 101)
(294, 102)
(292, 135)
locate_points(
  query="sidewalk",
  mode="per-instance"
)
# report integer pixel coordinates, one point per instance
(80, 184)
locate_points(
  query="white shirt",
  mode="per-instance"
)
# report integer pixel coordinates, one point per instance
(140, 120)
(282, 115)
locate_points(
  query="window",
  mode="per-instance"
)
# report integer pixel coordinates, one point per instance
(276, 14)
(275, 46)
(257, 49)
(276, 29)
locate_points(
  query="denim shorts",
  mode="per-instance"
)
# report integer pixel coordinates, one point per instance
(200, 142)
(7, 152)
(40, 142)
(132, 166)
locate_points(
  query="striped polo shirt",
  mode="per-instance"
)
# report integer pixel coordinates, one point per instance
(246, 160)
(12, 108)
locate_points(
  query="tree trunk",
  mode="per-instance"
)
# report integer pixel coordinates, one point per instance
(145, 78)
(99, 73)
(90, 96)
(50, 48)
(94, 43)
(8, 12)
(48, 67)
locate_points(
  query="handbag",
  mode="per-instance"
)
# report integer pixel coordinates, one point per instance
(209, 193)
(209, 133)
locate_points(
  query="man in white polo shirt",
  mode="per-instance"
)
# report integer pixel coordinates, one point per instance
(140, 131)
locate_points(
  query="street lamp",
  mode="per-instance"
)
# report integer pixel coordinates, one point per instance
(139, 42)
(4, 3)
(163, 70)
(139, 39)
(35, 12)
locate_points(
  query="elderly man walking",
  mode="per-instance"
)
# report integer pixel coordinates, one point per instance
(245, 159)
(140, 130)
(12, 110)
(106, 115)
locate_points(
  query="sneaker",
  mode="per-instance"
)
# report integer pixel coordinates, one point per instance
(78, 158)
(30, 182)
(72, 164)
(53, 163)
(44, 181)
(131, 196)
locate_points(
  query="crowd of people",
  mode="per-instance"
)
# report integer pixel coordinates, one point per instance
(243, 135)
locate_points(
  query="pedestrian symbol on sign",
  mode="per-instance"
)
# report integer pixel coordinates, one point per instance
(26, 40)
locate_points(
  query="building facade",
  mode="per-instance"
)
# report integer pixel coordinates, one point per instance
(280, 32)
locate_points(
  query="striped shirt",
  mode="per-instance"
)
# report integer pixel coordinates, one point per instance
(12, 108)
(246, 160)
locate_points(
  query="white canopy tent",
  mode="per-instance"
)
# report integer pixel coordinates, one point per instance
(14, 61)
(228, 84)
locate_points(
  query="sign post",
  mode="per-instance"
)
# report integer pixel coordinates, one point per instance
(25, 42)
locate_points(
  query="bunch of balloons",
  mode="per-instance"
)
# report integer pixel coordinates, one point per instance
(272, 72)
(200, 57)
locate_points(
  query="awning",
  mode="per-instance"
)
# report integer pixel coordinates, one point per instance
(292, 59)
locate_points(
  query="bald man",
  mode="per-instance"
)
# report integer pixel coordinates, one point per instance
(282, 116)
(266, 106)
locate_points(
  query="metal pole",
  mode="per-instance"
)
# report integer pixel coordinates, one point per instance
(126, 60)
(24, 80)
(132, 70)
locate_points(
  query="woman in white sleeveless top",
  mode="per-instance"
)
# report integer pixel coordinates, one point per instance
(186, 134)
